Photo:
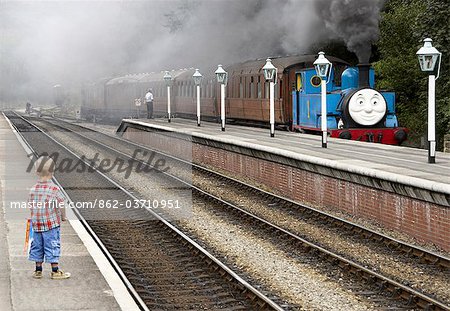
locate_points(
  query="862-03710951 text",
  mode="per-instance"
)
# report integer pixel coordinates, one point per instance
(110, 204)
(169, 204)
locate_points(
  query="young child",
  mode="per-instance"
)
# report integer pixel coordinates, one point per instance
(45, 201)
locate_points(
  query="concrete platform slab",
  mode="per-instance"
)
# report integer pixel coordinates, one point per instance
(92, 286)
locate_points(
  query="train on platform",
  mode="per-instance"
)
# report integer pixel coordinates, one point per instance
(355, 109)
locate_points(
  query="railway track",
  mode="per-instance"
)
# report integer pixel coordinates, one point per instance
(395, 288)
(166, 268)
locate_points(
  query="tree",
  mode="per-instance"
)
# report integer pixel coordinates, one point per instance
(404, 25)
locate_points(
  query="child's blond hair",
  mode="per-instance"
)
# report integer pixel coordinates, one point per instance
(45, 166)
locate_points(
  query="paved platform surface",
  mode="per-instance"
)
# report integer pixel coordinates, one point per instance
(394, 163)
(87, 289)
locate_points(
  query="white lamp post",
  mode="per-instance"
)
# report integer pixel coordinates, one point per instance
(323, 70)
(429, 56)
(168, 79)
(198, 80)
(222, 78)
(270, 74)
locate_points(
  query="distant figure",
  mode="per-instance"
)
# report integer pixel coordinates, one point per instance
(149, 102)
(28, 108)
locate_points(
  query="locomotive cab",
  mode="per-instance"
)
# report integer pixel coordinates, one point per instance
(307, 101)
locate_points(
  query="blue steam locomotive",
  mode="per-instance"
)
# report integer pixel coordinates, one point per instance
(355, 110)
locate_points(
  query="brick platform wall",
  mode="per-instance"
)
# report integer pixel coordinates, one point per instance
(427, 222)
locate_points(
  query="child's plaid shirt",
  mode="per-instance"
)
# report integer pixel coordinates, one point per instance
(45, 200)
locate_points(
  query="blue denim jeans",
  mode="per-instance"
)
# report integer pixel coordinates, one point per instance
(46, 246)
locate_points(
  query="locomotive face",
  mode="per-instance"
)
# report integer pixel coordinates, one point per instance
(367, 107)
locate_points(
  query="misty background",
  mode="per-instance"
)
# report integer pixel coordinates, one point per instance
(44, 43)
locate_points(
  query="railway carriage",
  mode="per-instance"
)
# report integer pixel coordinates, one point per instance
(248, 92)
(114, 99)
(355, 110)
(185, 96)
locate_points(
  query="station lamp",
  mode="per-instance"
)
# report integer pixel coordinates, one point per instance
(429, 57)
(168, 79)
(198, 80)
(270, 74)
(222, 78)
(323, 70)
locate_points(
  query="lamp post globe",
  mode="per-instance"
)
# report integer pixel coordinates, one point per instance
(323, 69)
(168, 79)
(198, 80)
(222, 78)
(270, 74)
(269, 70)
(197, 77)
(322, 66)
(429, 57)
(221, 75)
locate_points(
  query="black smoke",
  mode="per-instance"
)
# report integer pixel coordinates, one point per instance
(354, 21)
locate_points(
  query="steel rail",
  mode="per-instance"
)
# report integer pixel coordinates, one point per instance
(264, 299)
(408, 248)
(404, 291)
(85, 224)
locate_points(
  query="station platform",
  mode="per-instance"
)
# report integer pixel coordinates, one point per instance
(93, 284)
(390, 185)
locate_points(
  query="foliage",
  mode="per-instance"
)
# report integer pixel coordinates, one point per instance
(176, 19)
(404, 25)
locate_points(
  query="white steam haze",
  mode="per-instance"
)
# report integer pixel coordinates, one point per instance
(43, 43)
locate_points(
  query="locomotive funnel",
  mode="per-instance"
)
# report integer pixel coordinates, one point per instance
(363, 75)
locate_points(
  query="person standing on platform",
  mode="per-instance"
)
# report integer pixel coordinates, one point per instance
(149, 102)
(45, 201)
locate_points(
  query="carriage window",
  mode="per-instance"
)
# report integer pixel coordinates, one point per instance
(241, 88)
(252, 88)
(280, 93)
(259, 87)
(245, 88)
(266, 89)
